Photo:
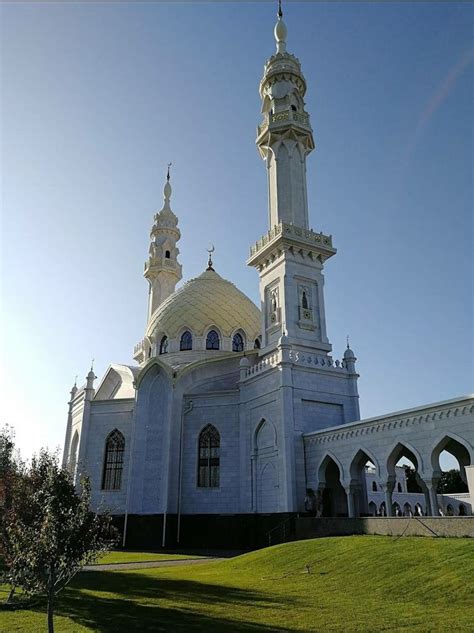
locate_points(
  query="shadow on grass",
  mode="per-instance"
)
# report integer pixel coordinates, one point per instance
(136, 606)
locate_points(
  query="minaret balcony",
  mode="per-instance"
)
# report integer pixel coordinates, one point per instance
(282, 119)
(288, 235)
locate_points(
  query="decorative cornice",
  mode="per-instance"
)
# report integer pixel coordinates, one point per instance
(392, 421)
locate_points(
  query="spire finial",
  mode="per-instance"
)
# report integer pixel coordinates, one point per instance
(347, 339)
(75, 381)
(92, 364)
(210, 250)
(167, 190)
(280, 31)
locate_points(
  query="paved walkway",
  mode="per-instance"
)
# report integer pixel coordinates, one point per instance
(155, 563)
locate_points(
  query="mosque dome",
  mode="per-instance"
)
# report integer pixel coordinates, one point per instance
(205, 303)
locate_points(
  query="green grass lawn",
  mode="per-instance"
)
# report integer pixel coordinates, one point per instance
(360, 583)
(140, 557)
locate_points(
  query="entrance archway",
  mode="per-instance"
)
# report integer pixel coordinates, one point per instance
(334, 495)
(400, 456)
(363, 469)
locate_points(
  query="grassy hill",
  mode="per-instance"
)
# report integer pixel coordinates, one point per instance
(361, 583)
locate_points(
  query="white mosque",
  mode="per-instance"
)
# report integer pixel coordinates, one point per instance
(232, 411)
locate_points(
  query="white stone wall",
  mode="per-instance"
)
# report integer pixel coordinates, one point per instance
(105, 416)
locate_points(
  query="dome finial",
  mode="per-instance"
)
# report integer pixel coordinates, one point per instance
(210, 250)
(168, 172)
(347, 339)
(280, 31)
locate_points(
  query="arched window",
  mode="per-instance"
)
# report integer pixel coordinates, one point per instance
(73, 454)
(399, 487)
(208, 460)
(293, 107)
(167, 255)
(257, 344)
(186, 342)
(164, 345)
(212, 340)
(374, 486)
(304, 301)
(237, 343)
(462, 510)
(113, 461)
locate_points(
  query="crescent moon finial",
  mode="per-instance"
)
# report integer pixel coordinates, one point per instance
(210, 250)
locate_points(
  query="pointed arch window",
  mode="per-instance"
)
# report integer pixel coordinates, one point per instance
(186, 342)
(212, 340)
(208, 459)
(257, 344)
(167, 255)
(238, 343)
(113, 461)
(374, 486)
(164, 345)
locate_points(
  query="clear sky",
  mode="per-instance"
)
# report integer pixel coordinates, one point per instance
(98, 97)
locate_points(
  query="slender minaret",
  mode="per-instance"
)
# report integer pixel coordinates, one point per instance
(290, 256)
(162, 270)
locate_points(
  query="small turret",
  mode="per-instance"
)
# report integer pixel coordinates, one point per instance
(89, 389)
(350, 358)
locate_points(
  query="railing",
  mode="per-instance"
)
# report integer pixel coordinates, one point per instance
(284, 115)
(307, 235)
(326, 362)
(282, 532)
(138, 347)
(266, 363)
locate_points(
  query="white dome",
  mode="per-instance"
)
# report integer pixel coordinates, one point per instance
(208, 300)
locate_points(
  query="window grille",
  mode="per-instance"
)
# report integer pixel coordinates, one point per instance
(237, 343)
(186, 342)
(212, 340)
(208, 463)
(113, 461)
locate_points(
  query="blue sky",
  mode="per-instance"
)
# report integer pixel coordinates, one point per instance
(98, 97)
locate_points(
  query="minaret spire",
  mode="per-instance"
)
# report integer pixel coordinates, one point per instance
(162, 269)
(290, 256)
(280, 31)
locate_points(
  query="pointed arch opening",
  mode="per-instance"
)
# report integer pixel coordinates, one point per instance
(449, 459)
(164, 345)
(113, 461)
(209, 444)
(333, 493)
(186, 341)
(404, 468)
(364, 471)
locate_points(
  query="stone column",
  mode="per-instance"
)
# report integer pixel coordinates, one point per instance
(432, 496)
(351, 506)
(388, 488)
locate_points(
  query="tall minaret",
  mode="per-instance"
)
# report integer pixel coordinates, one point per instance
(285, 137)
(290, 256)
(162, 270)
